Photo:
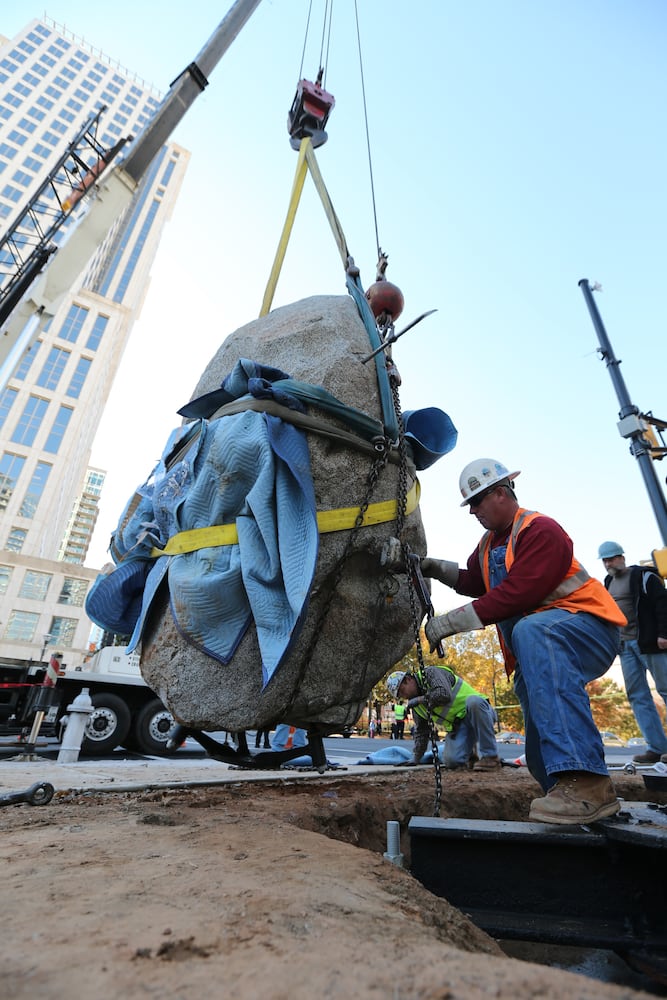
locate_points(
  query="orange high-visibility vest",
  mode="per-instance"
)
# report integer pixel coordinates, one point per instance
(576, 592)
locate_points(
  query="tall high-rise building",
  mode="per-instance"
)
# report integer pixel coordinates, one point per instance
(51, 83)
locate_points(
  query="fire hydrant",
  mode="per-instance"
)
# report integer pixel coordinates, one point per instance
(78, 713)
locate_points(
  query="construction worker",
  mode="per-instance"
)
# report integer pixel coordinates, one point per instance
(641, 596)
(399, 717)
(558, 628)
(437, 696)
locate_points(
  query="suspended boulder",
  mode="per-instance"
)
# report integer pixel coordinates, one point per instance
(355, 620)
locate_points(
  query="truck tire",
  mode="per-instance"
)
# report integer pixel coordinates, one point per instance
(108, 724)
(150, 729)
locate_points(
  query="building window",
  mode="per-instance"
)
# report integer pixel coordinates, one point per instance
(96, 334)
(30, 421)
(22, 626)
(73, 592)
(32, 164)
(54, 439)
(78, 378)
(63, 631)
(74, 320)
(5, 577)
(11, 193)
(53, 368)
(35, 490)
(26, 361)
(35, 585)
(11, 467)
(16, 539)
(168, 171)
(22, 178)
(7, 397)
(128, 270)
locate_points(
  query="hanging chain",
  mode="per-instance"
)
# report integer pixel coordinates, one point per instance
(394, 381)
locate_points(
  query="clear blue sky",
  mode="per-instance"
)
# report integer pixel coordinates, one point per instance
(516, 147)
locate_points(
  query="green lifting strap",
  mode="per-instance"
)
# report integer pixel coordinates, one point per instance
(367, 427)
(386, 399)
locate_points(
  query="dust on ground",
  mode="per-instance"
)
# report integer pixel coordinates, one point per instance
(276, 889)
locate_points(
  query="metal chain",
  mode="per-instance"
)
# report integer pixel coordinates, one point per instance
(402, 493)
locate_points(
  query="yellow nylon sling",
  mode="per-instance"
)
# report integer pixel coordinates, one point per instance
(339, 519)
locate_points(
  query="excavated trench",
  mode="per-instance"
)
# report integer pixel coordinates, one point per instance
(357, 812)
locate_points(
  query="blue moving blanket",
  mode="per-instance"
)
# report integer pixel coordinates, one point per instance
(249, 468)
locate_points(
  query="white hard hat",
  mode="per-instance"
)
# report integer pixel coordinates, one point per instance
(480, 475)
(394, 682)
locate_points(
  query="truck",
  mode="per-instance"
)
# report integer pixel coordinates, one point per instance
(126, 712)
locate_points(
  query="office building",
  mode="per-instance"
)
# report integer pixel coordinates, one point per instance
(51, 83)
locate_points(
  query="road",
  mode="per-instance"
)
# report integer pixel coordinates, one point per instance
(339, 750)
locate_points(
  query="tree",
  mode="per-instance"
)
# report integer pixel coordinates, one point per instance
(611, 708)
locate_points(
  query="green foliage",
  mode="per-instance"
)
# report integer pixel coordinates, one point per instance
(611, 708)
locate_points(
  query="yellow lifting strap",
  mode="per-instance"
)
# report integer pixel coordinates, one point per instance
(306, 161)
(340, 519)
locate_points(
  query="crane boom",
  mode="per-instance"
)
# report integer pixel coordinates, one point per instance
(632, 424)
(49, 275)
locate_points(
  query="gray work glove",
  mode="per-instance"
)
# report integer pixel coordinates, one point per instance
(391, 556)
(419, 700)
(463, 619)
(441, 569)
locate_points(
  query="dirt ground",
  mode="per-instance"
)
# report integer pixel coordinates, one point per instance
(277, 890)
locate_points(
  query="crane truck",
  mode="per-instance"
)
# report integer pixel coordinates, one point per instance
(126, 712)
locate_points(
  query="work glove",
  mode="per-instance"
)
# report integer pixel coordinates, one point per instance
(441, 569)
(419, 700)
(463, 619)
(391, 556)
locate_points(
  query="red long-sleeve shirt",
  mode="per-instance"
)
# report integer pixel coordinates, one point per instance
(542, 557)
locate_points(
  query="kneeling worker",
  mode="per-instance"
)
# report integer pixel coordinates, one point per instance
(438, 695)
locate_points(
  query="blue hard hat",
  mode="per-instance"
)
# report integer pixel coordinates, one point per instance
(610, 549)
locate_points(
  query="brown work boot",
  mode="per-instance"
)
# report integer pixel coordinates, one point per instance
(649, 757)
(577, 797)
(487, 764)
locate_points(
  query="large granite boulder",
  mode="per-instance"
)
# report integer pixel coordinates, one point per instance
(359, 621)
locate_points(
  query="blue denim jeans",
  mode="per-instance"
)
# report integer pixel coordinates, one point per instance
(634, 664)
(558, 653)
(474, 732)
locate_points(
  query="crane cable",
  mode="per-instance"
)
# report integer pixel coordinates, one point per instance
(368, 139)
(324, 63)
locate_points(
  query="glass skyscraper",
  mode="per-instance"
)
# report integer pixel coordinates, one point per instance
(51, 83)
